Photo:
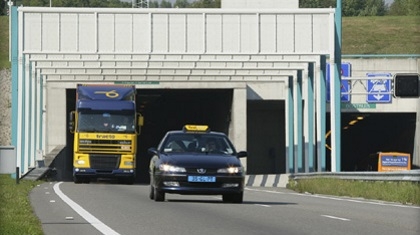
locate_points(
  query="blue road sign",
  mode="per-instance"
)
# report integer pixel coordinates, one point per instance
(377, 87)
(345, 85)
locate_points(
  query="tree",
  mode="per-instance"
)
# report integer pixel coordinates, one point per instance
(352, 7)
(153, 4)
(373, 8)
(206, 4)
(405, 7)
(76, 3)
(165, 4)
(181, 4)
(4, 8)
(317, 3)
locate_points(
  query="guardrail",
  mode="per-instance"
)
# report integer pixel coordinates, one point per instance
(412, 175)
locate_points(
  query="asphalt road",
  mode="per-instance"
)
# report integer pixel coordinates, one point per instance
(103, 208)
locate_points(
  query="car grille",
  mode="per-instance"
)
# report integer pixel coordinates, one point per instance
(195, 171)
(200, 185)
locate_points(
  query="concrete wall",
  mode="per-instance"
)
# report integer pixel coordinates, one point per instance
(361, 65)
(260, 4)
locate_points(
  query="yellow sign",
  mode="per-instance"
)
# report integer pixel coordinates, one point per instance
(196, 128)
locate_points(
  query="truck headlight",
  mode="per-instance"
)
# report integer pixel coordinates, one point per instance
(80, 162)
(128, 163)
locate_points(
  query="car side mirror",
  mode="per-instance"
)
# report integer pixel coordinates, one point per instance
(152, 151)
(242, 154)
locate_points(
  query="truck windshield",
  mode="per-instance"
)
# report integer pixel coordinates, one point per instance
(96, 121)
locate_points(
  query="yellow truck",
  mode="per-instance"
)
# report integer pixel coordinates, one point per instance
(105, 125)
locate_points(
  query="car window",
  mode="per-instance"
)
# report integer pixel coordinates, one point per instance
(197, 143)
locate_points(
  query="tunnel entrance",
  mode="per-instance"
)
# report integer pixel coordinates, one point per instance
(163, 110)
(372, 133)
(170, 109)
(266, 133)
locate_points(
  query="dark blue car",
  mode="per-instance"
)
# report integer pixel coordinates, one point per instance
(196, 161)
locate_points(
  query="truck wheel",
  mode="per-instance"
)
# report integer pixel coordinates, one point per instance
(126, 180)
(130, 180)
(77, 180)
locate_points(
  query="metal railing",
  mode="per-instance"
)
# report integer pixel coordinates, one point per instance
(412, 175)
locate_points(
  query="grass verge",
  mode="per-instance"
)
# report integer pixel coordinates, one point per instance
(16, 213)
(381, 35)
(400, 192)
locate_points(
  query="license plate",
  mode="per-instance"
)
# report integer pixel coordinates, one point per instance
(209, 179)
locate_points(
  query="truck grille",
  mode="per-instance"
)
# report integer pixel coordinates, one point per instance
(104, 161)
(105, 146)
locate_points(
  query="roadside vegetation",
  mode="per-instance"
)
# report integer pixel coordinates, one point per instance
(16, 213)
(4, 42)
(399, 192)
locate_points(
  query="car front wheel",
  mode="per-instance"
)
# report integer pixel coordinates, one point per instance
(152, 192)
(233, 198)
(159, 196)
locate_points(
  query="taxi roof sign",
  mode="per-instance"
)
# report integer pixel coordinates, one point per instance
(196, 128)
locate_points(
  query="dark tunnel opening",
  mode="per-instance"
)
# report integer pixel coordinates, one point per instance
(375, 132)
(163, 110)
(170, 109)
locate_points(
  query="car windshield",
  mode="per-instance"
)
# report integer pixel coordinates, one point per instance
(197, 143)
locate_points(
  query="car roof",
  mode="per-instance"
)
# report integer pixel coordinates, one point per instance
(195, 133)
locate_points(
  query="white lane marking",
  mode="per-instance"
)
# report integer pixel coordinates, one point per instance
(339, 199)
(267, 191)
(333, 217)
(82, 212)
(262, 205)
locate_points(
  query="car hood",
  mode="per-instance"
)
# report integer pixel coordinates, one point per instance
(201, 160)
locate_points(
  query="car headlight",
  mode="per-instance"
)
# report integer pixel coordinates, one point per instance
(171, 168)
(230, 170)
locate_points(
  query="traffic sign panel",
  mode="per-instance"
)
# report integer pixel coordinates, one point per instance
(345, 84)
(379, 90)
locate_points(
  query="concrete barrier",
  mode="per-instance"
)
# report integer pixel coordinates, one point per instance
(7, 159)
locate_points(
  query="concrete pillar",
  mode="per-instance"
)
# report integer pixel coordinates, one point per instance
(56, 104)
(416, 150)
(237, 129)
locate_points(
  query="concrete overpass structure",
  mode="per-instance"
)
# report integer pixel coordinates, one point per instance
(258, 55)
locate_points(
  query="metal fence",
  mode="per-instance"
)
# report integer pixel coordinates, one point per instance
(412, 175)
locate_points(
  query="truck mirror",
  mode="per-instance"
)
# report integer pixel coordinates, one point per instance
(71, 122)
(140, 120)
